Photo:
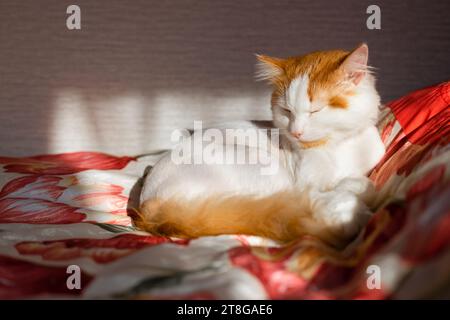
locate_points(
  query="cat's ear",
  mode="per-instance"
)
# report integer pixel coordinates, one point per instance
(268, 68)
(355, 65)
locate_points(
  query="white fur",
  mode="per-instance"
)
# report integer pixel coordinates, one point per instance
(297, 98)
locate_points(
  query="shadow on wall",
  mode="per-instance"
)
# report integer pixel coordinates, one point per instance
(134, 72)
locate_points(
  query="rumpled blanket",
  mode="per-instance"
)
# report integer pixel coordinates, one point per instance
(73, 210)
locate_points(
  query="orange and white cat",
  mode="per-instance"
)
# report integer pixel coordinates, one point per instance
(326, 107)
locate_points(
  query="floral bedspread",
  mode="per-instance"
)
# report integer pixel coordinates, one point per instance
(74, 209)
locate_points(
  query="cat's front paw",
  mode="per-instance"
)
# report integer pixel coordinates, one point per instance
(342, 211)
(362, 187)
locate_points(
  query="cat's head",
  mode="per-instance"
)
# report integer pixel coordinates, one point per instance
(322, 97)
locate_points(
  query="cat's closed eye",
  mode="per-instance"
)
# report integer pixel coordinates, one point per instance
(315, 111)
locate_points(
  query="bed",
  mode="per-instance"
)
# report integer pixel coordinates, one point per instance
(76, 209)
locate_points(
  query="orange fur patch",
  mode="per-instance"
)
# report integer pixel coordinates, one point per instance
(325, 72)
(322, 67)
(284, 217)
(338, 102)
(313, 144)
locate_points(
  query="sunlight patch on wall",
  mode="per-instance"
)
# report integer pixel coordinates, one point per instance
(133, 123)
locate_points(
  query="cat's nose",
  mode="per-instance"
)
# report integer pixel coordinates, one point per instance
(297, 134)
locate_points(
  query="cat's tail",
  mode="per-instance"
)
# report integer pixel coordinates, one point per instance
(284, 217)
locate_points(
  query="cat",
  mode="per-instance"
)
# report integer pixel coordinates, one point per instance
(325, 106)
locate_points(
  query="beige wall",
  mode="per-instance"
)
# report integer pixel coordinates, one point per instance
(138, 69)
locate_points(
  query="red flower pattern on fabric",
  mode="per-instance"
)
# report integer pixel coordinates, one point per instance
(65, 163)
